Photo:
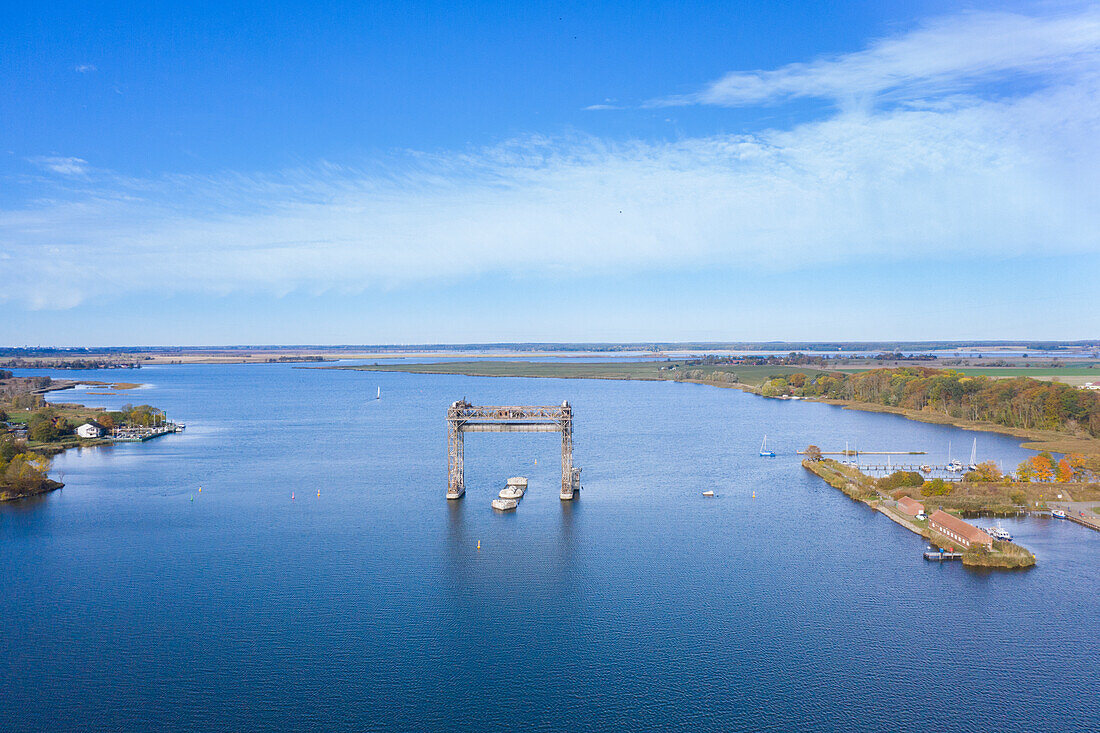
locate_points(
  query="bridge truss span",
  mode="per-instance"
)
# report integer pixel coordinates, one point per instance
(462, 418)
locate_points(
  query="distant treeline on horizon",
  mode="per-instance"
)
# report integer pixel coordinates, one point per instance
(656, 346)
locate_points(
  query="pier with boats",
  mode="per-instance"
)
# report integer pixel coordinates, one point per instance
(130, 434)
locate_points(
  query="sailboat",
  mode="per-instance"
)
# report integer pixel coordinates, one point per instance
(953, 465)
(764, 449)
(973, 465)
(379, 395)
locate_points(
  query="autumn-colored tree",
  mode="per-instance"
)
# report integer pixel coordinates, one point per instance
(1064, 472)
(1025, 472)
(1078, 465)
(1043, 466)
(986, 471)
(813, 453)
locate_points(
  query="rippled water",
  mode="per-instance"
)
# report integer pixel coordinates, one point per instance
(133, 602)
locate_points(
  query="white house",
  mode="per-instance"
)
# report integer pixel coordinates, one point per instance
(1091, 385)
(88, 430)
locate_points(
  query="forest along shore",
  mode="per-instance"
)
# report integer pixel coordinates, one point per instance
(877, 495)
(31, 431)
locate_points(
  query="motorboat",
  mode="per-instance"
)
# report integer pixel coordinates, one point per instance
(999, 533)
(1058, 513)
(708, 493)
(514, 489)
(504, 505)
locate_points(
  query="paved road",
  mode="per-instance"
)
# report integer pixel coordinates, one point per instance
(1076, 508)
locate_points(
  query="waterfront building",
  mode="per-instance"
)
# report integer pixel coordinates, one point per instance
(89, 430)
(1091, 385)
(956, 529)
(911, 507)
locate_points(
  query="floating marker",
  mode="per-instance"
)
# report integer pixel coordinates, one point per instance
(479, 544)
(200, 489)
(754, 494)
(292, 495)
(318, 493)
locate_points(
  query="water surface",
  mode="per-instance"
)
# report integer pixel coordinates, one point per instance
(134, 602)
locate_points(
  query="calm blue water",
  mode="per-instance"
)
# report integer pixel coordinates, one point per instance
(133, 602)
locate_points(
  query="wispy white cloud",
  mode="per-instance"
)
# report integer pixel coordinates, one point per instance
(61, 165)
(945, 178)
(945, 55)
(84, 68)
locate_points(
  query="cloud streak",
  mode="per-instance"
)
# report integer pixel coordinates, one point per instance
(943, 56)
(954, 178)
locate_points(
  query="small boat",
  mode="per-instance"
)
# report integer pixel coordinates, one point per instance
(514, 489)
(764, 449)
(504, 505)
(999, 533)
(708, 493)
(926, 468)
(954, 466)
(1058, 513)
(379, 395)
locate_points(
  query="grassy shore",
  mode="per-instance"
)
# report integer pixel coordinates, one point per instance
(862, 488)
(748, 376)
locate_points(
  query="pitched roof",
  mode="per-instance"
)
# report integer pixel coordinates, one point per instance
(911, 505)
(959, 527)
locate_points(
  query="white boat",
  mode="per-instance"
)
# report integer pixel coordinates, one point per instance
(504, 504)
(1058, 513)
(973, 465)
(764, 449)
(953, 465)
(514, 489)
(379, 395)
(708, 493)
(998, 533)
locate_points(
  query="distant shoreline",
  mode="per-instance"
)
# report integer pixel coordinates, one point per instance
(752, 378)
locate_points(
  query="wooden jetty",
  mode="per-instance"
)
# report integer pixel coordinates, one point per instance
(943, 556)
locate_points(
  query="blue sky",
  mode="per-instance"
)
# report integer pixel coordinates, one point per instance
(404, 172)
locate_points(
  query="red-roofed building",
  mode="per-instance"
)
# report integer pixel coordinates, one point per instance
(956, 529)
(910, 506)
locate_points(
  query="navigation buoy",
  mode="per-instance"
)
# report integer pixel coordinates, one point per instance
(292, 496)
(479, 544)
(318, 493)
(754, 494)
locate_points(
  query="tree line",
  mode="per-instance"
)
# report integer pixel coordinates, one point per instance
(1017, 403)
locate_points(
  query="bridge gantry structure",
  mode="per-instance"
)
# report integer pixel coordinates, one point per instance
(462, 418)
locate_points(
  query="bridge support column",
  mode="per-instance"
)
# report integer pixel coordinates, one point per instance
(456, 480)
(569, 486)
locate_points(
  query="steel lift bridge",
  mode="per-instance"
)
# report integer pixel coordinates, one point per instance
(462, 418)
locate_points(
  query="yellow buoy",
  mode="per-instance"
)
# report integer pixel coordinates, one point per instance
(479, 544)
(318, 492)
(754, 494)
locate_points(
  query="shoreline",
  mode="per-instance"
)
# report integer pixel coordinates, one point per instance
(1031, 439)
(860, 487)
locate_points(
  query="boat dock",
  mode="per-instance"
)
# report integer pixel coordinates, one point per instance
(943, 556)
(140, 435)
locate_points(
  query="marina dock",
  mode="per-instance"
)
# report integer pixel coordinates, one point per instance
(140, 435)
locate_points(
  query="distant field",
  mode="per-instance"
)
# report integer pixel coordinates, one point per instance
(643, 370)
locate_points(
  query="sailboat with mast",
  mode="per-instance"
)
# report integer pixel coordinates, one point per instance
(953, 465)
(973, 465)
(379, 395)
(764, 449)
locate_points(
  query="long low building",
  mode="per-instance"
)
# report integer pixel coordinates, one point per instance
(956, 529)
